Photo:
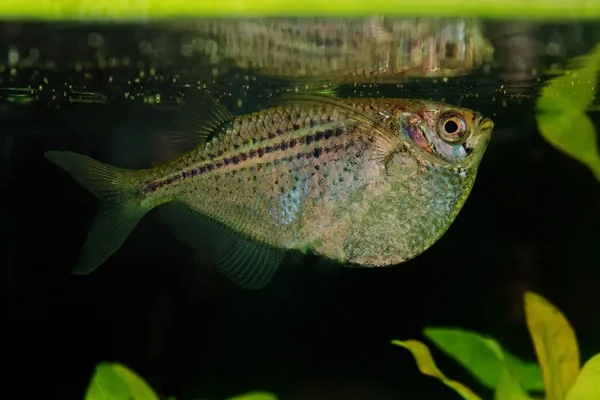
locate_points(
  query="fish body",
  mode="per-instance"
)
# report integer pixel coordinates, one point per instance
(365, 182)
(342, 50)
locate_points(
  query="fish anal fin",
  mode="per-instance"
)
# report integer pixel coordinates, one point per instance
(243, 261)
(199, 119)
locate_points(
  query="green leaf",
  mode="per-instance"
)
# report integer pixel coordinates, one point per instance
(528, 374)
(587, 385)
(561, 108)
(115, 381)
(576, 89)
(509, 387)
(555, 345)
(427, 366)
(255, 396)
(483, 357)
(574, 134)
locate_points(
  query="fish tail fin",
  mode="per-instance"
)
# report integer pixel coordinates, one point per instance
(120, 207)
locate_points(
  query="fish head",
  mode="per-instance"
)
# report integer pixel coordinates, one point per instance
(463, 47)
(441, 48)
(450, 135)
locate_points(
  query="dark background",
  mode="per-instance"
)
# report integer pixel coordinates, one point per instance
(316, 332)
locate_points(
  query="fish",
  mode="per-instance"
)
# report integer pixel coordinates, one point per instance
(378, 49)
(362, 182)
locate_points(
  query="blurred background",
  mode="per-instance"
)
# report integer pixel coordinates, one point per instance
(317, 331)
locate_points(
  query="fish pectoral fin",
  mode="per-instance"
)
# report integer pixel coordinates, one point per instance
(199, 119)
(243, 261)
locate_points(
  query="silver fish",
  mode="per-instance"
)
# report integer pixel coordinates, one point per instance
(364, 182)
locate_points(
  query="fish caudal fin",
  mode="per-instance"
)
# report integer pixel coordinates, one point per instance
(119, 212)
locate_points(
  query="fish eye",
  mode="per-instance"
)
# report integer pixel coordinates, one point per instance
(451, 127)
(450, 50)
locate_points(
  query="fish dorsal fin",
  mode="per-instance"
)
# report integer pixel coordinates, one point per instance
(386, 140)
(243, 261)
(198, 121)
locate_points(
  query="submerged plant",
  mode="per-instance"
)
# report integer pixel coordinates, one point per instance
(114, 381)
(561, 111)
(558, 376)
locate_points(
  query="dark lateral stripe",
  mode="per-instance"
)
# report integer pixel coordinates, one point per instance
(251, 154)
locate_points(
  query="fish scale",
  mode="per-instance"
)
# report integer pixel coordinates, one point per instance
(270, 167)
(249, 138)
(364, 182)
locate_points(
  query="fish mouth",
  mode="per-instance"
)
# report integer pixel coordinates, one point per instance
(484, 135)
(486, 125)
(479, 141)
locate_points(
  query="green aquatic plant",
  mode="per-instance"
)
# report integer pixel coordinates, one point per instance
(562, 111)
(138, 9)
(558, 376)
(114, 381)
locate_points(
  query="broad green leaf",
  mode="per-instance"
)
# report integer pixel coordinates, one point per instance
(573, 133)
(555, 345)
(508, 387)
(528, 374)
(561, 108)
(483, 357)
(105, 384)
(587, 385)
(470, 350)
(114, 381)
(576, 89)
(427, 366)
(255, 396)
